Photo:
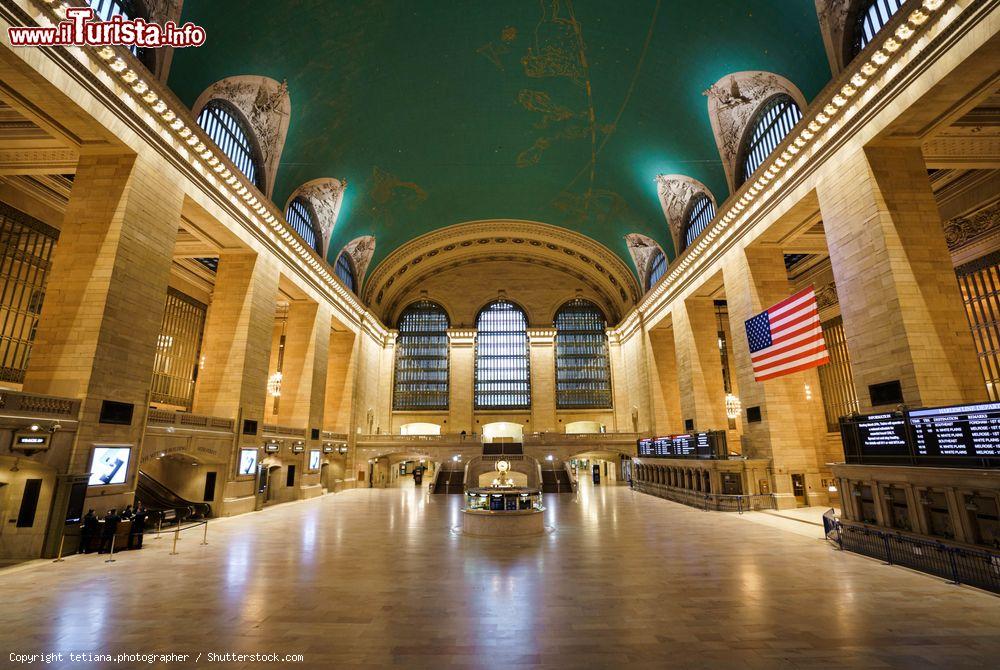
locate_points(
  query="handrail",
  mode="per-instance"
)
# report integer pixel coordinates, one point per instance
(718, 502)
(162, 417)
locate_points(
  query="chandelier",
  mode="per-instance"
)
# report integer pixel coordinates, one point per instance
(274, 385)
(733, 406)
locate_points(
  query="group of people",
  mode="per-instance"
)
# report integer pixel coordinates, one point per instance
(107, 528)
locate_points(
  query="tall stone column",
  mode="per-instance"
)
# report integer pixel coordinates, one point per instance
(904, 319)
(699, 364)
(792, 429)
(663, 380)
(461, 373)
(104, 302)
(542, 358)
(303, 382)
(340, 377)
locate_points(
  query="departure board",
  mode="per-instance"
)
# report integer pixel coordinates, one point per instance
(964, 430)
(960, 436)
(687, 445)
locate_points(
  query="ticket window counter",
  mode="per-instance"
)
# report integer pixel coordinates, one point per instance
(866, 503)
(936, 514)
(799, 488)
(732, 484)
(897, 508)
(983, 514)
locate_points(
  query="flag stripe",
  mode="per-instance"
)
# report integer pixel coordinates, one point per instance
(787, 338)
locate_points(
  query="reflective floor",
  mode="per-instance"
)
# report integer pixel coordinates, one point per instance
(374, 578)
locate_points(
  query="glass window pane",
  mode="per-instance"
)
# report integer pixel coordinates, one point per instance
(583, 373)
(502, 368)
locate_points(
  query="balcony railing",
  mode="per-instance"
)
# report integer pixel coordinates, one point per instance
(707, 501)
(42, 406)
(161, 418)
(284, 431)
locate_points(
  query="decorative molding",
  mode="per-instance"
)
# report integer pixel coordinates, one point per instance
(826, 295)
(267, 108)
(676, 192)
(38, 161)
(964, 230)
(361, 250)
(642, 249)
(732, 103)
(326, 196)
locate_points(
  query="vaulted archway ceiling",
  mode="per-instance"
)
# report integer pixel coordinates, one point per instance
(438, 112)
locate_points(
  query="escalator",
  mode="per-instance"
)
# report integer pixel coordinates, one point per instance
(156, 497)
(556, 481)
(450, 479)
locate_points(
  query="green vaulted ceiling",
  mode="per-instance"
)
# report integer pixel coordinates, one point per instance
(443, 111)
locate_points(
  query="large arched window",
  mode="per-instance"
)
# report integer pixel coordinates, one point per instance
(421, 380)
(502, 370)
(345, 270)
(700, 214)
(657, 268)
(773, 121)
(225, 125)
(302, 218)
(872, 16)
(583, 373)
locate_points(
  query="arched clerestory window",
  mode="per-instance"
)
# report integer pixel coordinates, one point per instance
(502, 368)
(105, 10)
(872, 16)
(657, 268)
(345, 270)
(227, 128)
(583, 371)
(700, 213)
(302, 218)
(773, 121)
(421, 374)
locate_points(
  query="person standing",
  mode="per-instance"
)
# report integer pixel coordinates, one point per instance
(89, 531)
(111, 520)
(137, 528)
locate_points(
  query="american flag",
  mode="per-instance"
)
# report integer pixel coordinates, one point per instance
(787, 338)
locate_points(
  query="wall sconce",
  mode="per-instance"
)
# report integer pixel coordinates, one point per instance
(274, 385)
(733, 406)
(809, 392)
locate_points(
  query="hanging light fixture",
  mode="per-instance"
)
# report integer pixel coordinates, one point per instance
(274, 385)
(733, 406)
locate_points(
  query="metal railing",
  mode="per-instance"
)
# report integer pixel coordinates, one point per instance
(287, 431)
(959, 565)
(715, 502)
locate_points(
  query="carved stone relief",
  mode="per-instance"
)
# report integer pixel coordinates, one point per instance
(676, 192)
(965, 229)
(326, 196)
(267, 108)
(643, 249)
(732, 103)
(361, 250)
(161, 11)
(833, 16)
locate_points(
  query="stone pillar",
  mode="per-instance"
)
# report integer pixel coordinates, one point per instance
(791, 430)
(341, 372)
(236, 349)
(303, 381)
(461, 380)
(699, 364)
(903, 313)
(542, 351)
(104, 302)
(667, 416)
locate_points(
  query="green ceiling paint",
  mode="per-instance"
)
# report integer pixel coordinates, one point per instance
(443, 111)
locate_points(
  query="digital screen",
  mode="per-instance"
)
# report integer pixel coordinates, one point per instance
(248, 462)
(109, 465)
(965, 430)
(954, 435)
(314, 459)
(688, 445)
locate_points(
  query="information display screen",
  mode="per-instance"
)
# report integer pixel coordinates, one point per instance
(248, 462)
(687, 445)
(314, 459)
(961, 435)
(109, 465)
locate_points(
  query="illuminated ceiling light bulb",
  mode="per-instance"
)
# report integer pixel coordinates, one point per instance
(840, 100)
(118, 66)
(917, 17)
(177, 124)
(199, 147)
(904, 32)
(809, 393)
(933, 4)
(274, 385)
(813, 126)
(184, 132)
(106, 53)
(169, 115)
(880, 57)
(150, 98)
(130, 76)
(891, 45)
(795, 149)
(822, 119)
(868, 69)
(140, 87)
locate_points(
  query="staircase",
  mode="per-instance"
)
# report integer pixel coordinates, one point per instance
(450, 478)
(156, 497)
(556, 481)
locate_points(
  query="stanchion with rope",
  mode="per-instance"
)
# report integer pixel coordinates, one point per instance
(204, 539)
(59, 558)
(111, 557)
(177, 533)
(159, 525)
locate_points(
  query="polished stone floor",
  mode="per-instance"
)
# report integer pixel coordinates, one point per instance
(376, 578)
